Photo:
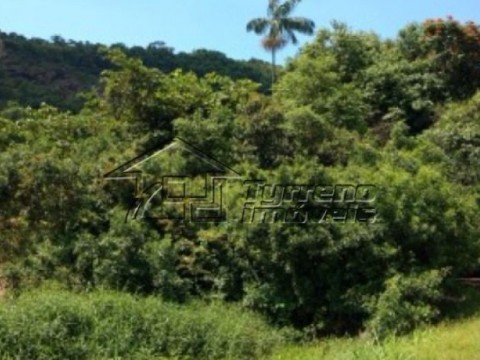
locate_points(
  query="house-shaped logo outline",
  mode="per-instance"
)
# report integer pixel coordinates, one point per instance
(129, 171)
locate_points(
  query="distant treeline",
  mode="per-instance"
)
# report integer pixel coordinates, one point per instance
(35, 70)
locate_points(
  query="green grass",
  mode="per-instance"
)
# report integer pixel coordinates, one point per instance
(445, 342)
(448, 341)
(56, 324)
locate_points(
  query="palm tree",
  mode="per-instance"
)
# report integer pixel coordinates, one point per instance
(279, 28)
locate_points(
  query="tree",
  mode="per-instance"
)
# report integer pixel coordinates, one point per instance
(279, 27)
(452, 47)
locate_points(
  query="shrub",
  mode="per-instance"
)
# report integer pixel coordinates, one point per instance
(55, 324)
(406, 303)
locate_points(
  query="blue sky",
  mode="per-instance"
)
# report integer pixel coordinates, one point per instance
(212, 24)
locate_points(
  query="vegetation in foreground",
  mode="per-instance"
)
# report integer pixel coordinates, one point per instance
(448, 341)
(55, 324)
(453, 339)
(52, 323)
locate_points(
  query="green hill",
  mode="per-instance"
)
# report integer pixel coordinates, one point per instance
(34, 70)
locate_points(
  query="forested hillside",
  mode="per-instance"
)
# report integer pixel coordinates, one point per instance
(401, 116)
(34, 70)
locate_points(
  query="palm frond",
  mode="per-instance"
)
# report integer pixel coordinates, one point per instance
(259, 25)
(272, 8)
(292, 37)
(286, 8)
(300, 24)
(279, 28)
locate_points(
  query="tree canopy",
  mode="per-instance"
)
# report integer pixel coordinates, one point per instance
(350, 108)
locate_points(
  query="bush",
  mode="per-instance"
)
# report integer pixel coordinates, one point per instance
(55, 324)
(406, 303)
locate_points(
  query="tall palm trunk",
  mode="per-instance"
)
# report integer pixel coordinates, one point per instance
(273, 66)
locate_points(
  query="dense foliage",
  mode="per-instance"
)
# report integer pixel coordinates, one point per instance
(350, 108)
(33, 71)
